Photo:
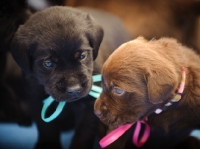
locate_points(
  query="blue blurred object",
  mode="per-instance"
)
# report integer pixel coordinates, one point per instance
(13, 136)
(196, 133)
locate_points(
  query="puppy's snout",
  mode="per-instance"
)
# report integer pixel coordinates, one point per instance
(73, 90)
(98, 108)
(97, 113)
(61, 86)
(73, 86)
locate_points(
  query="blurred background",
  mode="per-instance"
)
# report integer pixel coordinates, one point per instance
(149, 18)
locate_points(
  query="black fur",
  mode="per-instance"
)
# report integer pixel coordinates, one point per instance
(13, 13)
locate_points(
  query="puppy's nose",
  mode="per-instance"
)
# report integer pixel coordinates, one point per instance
(97, 113)
(73, 90)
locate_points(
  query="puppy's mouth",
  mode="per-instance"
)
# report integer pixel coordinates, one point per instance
(116, 121)
(64, 95)
(67, 99)
(115, 124)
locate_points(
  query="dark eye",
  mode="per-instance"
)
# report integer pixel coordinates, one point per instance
(82, 56)
(48, 64)
(118, 90)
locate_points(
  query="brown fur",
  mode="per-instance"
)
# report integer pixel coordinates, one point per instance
(150, 74)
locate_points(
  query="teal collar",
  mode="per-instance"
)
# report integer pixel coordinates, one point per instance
(95, 92)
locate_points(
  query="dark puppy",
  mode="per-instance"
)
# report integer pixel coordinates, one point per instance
(12, 14)
(56, 49)
(141, 77)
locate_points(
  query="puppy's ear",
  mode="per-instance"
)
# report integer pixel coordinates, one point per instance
(20, 52)
(95, 35)
(160, 85)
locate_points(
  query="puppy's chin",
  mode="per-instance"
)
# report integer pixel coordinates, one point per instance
(116, 121)
(67, 99)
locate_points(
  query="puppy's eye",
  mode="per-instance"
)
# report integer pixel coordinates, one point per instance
(81, 56)
(48, 64)
(118, 90)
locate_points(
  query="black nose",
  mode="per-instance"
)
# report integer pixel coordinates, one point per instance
(73, 90)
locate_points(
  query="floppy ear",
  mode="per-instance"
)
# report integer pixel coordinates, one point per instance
(20, 52)
(160, 85)
(95, 35)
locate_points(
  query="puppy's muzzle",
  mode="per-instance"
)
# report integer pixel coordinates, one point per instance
(99, 108)
(73, 90)
(72, 87)
(98, 113)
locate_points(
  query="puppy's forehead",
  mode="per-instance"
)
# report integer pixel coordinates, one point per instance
(134, 55)
(125, 66)
(127, 58)
(63, 28)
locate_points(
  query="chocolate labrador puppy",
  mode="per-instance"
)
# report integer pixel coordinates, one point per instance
(59, 49)
(158, 79)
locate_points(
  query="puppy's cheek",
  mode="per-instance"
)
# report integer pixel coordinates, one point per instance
(110, 120)
(85, 78)
(86, 87)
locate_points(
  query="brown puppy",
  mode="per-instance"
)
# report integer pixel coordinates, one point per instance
(142, 76)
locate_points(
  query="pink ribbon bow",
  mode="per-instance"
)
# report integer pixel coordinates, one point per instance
(115, 134)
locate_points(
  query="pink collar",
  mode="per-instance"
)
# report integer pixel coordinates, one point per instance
(115, 134)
